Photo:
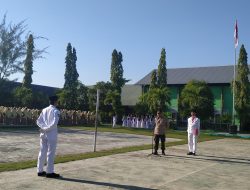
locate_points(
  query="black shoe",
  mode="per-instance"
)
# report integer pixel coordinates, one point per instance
(193, 153)
(163, 153)
(41, 174)
(189, 153)
(53, 175)
(155, 153)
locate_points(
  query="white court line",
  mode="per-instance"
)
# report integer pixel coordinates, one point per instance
(183, 176)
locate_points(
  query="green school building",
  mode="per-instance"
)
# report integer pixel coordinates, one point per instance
(218, 78)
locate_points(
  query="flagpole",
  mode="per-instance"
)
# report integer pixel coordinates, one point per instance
(234, 80)
(233, 119)
(96, 117)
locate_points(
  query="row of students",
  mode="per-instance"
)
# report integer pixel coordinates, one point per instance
(146, 122)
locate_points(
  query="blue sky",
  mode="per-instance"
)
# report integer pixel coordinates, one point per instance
(195, 33)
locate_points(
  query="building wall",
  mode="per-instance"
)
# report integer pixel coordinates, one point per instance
(174, 98)
(223, 98)
(218, 97)
(130, 94)
(227, 100)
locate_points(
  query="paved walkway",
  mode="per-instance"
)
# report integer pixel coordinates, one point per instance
(220, 164)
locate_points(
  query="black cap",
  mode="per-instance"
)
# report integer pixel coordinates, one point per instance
(193, 110)
(53, 98)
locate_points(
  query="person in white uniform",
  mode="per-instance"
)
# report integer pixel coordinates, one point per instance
(193, 130)
(47, 122)
(114, 121)
(124, 121)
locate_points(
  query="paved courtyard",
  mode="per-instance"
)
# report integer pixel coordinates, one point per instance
(21, 145)
(220, 164)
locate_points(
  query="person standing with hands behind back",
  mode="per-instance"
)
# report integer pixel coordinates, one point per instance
(159, 132)
(193, 130)
(47, 122)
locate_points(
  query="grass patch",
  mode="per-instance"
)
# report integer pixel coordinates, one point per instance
(10, 166)
(15, 127)
(147, 132)
(108, 128)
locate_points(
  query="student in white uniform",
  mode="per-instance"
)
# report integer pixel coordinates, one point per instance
(114, 121)
(193, 130)
(129, 121)
(47, 121)
(147, 122)
(142, 122)
(124, 121)
(138, 122)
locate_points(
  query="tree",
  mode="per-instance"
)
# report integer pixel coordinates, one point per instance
(104, 109)
(12, 48)
(154, 82)
(69, 93)
(68, 61)
(113, 98)
(117, 81)
(28, 63)
(242, 90)
(23, 97)
(162, 70)
(157, 98)
(116, 71)
(80, 100)
(158, 95)
(196, 95)
(104, 87)
(75, 74)
(141, 108)
(71, 75)
(82, 97)
(39, 100)
(12, 52)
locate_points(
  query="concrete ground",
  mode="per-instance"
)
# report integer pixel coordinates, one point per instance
(220, 164)
(19, 145)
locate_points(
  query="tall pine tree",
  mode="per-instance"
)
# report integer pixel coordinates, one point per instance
(158, 95)
(28, 64)
(68, 69)
(242, 90)
(154, 82)
(162, 70)
(71, 75)
(117, 81)
(116, 71)
(75, 74)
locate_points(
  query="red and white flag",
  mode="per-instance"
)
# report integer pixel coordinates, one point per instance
(236, 39)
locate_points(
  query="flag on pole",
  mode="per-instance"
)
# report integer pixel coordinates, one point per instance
(236, 39)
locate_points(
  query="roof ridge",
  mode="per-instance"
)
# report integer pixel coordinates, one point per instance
(201, 67)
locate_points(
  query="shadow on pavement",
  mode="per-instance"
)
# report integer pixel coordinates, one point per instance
(129, 187)
(211, 158)
(231, 158)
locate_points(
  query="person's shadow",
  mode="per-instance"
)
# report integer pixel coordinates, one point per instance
(128, 187)
(233, 160)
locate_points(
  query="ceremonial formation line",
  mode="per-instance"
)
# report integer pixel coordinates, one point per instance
(26, 116)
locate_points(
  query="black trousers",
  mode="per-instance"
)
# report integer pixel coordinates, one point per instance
(156, 139)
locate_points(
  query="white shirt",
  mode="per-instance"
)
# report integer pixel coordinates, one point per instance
(193, 124)
(48, 119)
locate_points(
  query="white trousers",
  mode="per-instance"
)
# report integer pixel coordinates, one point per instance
(47, 152)
(192, 142)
